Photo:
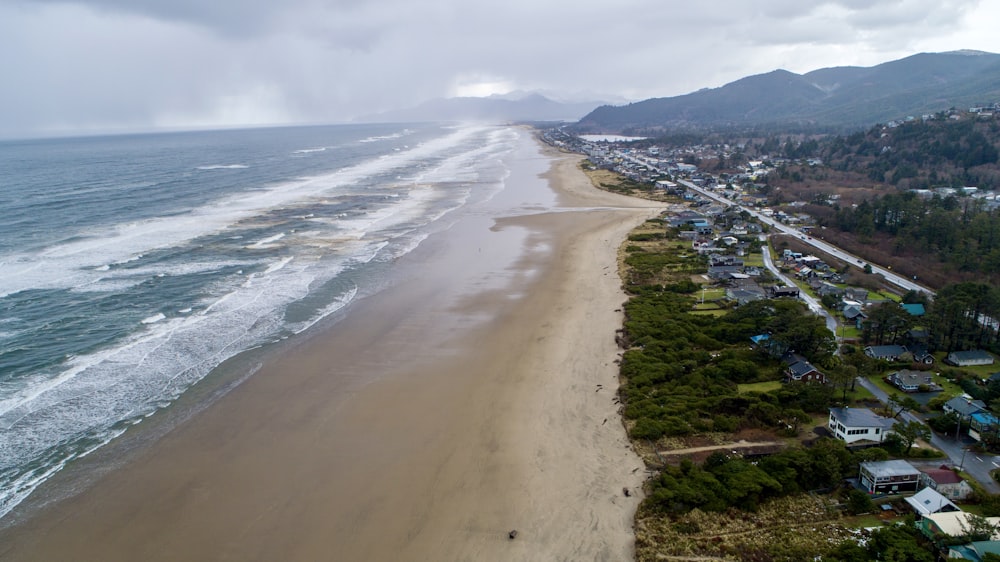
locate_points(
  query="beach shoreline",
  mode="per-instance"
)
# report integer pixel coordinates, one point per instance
(469, 400)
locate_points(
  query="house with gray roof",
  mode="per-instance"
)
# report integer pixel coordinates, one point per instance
(969, 358)
(910, 381)
(888, 477)
(853, 425)
(963, 407)
(885, 352)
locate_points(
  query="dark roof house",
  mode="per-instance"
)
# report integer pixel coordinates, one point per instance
(885, 352)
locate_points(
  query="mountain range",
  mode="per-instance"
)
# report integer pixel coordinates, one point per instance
(839, 97)
(512, 107)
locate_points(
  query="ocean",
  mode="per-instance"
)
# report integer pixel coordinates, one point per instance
(132, 266)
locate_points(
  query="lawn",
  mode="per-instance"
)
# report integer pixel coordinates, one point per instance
(759, 387)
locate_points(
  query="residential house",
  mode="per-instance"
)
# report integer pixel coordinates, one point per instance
(772, 347)
(928, 501)
(885, 352)
(888, 477)
(963, 406)
(720, 272)
(743, 296)
(969, 358)
(915, 309)
(853, 425)
(825, 288)
(803, 371)
(951, 524)
(974, 551)
(920, 353)
(946, 482)
(910, 381)
(854, 314)
(779, 291)
(981, 423)
(858, 294)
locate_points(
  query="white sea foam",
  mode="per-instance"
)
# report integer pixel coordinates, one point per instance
(154, 318)
(310, 150)
(377, 138)
(99, 393)
(333, 307)
(65, 265)
(224, 167)
(267, 242)
(280, 264)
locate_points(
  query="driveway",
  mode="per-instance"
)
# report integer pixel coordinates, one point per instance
(975, 464)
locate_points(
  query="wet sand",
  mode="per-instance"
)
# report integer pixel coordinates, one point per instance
(472, 397)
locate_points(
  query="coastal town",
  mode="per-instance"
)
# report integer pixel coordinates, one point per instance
(752, 253)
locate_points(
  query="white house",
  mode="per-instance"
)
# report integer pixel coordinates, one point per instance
(969, 358)
(928, 501)
(859, 424)
(946, 482)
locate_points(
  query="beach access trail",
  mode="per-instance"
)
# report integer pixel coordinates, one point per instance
(472, 397)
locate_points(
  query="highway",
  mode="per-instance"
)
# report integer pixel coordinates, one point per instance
(898, 280)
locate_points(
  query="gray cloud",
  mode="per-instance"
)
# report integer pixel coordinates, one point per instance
(109, 64)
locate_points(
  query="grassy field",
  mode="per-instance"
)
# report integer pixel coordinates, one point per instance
(759, 387)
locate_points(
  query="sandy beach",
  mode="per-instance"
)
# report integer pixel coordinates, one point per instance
(470, 398)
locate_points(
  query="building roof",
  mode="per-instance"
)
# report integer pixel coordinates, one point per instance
(929, 501)
(955, 523)
(852, 311)
(887, 469)
(985, 418)
(885, 350)
(860, 417)
(801, 368)
(943, 475)
(972, 355)
(915, 309)
(906, 377)
(976, 550)
(965, 406)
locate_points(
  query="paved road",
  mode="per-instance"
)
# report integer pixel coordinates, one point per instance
(975, 464)
(813, 304)
(898, 280)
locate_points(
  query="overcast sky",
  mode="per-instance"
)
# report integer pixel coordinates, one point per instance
(114, 65)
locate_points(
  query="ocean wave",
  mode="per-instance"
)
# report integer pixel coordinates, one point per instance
(153, 319)
(64, 265)
(223, 167)
(66, 411)
(377, 138)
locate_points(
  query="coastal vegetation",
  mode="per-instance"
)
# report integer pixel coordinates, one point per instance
(726, 440)
(695, 391)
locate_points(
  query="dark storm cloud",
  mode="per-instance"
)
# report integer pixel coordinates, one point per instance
(104, 64)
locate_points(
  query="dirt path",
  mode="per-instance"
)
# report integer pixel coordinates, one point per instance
(742, 444)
